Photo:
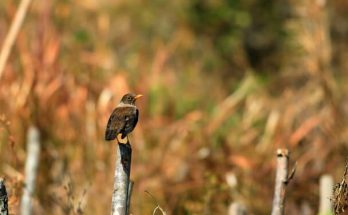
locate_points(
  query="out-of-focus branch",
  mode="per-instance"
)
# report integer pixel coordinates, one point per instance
(282, 179)
(326, 185)
(121, 193)
(227, 107)
(3, 198)
(31, 166)
(12, 35)
(237, 208)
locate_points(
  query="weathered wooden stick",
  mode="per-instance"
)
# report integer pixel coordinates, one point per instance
(282, 180)
(31, 166)
(121, 193)
(3, 198)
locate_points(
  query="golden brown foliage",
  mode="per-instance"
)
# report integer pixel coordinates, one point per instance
(208, 127)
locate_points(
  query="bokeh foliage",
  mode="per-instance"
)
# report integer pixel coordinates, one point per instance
(225, 84)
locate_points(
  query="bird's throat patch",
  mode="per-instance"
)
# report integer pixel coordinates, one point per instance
(120, 140)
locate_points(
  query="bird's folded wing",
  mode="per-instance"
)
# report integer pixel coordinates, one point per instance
(117, 121)
(131, 121)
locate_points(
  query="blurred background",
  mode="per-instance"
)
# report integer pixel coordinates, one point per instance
(225, 84)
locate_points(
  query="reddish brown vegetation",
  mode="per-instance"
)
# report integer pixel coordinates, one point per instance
(206, 136)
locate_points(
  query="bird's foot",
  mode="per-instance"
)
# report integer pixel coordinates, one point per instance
(122, 140)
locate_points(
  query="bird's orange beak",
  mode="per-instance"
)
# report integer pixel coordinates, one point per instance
(138, 96)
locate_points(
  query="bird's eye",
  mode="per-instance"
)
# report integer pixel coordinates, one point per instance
(129, 99)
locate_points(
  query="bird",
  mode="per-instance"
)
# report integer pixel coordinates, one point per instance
(124, 118)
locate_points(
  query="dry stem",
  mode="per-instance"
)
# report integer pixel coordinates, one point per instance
(121, 193)
(12, 35)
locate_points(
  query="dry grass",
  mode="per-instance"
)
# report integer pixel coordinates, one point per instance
(340, 194)
(199, 121)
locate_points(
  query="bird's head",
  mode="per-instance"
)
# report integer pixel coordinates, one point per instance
(130, 98)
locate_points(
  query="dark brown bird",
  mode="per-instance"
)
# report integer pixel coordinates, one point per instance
(124, 118)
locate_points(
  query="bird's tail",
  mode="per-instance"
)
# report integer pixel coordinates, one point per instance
(110, 135)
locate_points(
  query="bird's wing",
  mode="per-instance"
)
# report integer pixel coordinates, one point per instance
(131, 122)
(117, 121)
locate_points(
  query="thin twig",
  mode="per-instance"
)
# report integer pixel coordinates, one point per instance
(158, 207)
(129, 194)
(12, 35)
(292, 173)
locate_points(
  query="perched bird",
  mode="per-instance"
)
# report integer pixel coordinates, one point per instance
(124, 118)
